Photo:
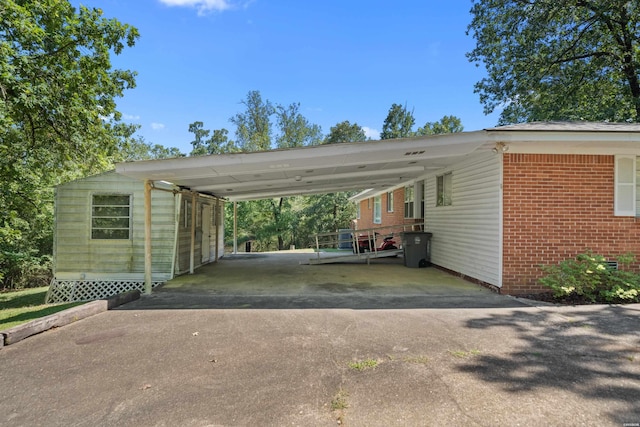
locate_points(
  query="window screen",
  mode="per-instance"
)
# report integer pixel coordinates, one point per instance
(111, 216)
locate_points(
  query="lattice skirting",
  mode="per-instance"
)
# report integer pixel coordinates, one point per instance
(87, 290)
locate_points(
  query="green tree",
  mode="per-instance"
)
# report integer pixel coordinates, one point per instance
(558, 60)
(137, 148)
(58, 117)
(256, 132)
(295, 129)
(398, 123)
(218, 143)
(199, 138)
(323, 213)
(447, 124)
(253, 126)
(345, 132)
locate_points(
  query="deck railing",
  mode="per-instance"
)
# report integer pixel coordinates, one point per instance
(338, 239)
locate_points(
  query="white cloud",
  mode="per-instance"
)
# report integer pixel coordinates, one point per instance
(157, 126)
(130, 117)
(371, 133)
(203, 6)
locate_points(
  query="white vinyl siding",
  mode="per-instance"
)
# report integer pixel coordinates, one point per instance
(74, 250)
(637, 188)
(625, 186)
(466, 235)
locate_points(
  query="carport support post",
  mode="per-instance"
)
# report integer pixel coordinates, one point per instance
(147, 236)
(192, 252)
(235, 227)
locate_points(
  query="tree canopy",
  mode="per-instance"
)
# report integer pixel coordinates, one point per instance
(295, 129)
(447, 124)
(398, 123)
(253, 126)
(217, 143)
(345, 132)
(558, 60)
(58, 117)
(263, 126)
(136, 148)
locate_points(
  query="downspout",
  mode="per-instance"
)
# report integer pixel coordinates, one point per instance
(147, 237)
(501, 219)
(192, 254)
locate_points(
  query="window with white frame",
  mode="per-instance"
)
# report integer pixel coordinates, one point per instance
(358, 210)
(625, 186)
(377, 210)
(390, 201)
(443, 189)
(409, 201)
(111, 217)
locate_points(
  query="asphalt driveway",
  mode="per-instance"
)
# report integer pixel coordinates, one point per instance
(144, 364)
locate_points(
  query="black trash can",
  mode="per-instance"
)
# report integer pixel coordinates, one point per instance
(416, 247)
(344, 239)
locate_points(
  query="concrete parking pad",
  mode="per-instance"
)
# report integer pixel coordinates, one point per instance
(282, 280)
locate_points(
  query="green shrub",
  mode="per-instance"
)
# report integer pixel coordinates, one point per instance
(25, 249)
(589, 276)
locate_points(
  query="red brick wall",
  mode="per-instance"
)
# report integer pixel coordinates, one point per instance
(388, 218)
(556, 206)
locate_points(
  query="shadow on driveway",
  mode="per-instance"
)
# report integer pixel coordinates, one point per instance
(591, 352)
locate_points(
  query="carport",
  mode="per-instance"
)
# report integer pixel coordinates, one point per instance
(372, 166)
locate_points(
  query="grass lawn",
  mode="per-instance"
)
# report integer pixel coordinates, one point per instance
(17, 307)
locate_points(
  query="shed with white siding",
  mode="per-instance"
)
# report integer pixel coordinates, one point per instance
(99, 237)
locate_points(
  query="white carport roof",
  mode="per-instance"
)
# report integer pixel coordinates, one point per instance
(374, 165)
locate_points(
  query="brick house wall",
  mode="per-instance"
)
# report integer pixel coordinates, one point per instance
(388, 218)
(555, 207)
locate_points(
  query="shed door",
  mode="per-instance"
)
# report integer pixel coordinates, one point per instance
(206, 229)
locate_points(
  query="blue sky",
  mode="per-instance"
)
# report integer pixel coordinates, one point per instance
(340, 59)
